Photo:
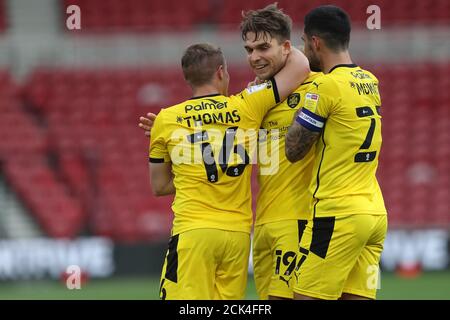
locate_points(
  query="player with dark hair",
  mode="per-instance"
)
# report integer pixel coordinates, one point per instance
(200, 150)
(342, 244)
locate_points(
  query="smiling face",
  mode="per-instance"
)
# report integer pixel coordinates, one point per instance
(265, 54)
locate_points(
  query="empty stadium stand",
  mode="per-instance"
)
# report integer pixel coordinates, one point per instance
(414, 167)
(23, 154)
(157, 15)
(142, 15)
(79, 162)
(71, 150)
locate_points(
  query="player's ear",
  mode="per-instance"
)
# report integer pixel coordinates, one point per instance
(220, 72)
(286, 46)
(316, 43)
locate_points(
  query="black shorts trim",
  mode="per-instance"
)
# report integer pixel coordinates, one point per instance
(172, 260)
(322, 230)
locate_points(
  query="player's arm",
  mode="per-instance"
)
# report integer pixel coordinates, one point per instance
(161, 178)
(160, 165)
(146, 123)
(309, 121)
(299, 139)
(293, 74)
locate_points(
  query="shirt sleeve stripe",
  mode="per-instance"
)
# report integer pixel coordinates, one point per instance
(275, 90)
(156, 160)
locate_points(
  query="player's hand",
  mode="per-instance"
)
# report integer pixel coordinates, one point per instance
(255, 82)
(146, 123)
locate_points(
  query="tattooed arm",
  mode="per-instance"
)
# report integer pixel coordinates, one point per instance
(299, 140)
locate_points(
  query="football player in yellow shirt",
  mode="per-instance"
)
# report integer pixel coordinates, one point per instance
(200, 149)
(340, 117)
(282, 206)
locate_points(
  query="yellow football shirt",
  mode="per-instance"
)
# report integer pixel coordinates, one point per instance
(283, 186)
(344, 105)
(210, 142)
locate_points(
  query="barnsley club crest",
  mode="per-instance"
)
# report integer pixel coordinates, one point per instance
(293, 100)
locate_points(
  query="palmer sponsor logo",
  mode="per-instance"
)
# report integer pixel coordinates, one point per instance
(213, 105)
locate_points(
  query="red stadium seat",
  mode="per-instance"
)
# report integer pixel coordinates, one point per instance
(141, 15)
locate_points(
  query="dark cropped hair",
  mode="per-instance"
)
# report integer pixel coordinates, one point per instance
(270, 20)
(200, 61)
(330, 23)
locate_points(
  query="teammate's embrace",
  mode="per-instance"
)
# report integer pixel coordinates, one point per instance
(282, 206)
(200, 150)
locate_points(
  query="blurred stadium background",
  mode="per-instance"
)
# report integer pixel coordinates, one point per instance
(73, 163)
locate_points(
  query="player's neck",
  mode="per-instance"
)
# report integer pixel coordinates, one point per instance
(205, 90)
(332, 59)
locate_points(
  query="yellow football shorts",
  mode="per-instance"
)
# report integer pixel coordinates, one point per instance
(206, 264)
(341, 255)
(275, 248)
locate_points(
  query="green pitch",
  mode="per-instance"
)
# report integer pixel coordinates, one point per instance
(434, 285)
